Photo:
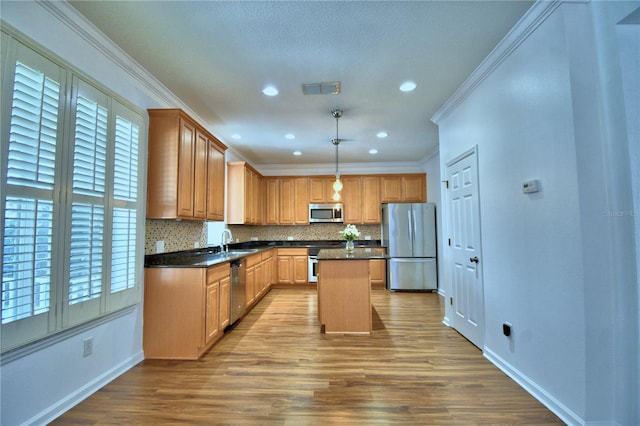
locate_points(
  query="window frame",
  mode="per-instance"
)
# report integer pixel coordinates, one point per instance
(62, 317)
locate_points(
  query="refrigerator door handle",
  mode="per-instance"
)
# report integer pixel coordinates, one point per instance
(410, 229)
(415, 228)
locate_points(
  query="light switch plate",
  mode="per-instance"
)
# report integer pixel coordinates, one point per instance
(160, 246)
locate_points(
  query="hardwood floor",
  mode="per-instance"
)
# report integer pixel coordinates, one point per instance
(275, 367)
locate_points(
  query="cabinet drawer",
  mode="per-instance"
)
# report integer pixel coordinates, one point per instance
(218, 272)
(253, 260)
(292, 252)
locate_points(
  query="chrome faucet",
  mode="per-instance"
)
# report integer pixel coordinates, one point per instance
(225, 240)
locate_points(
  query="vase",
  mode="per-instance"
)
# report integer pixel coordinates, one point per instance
(349, 246)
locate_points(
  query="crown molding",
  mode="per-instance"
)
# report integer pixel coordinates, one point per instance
(531, 20)
(345, 169)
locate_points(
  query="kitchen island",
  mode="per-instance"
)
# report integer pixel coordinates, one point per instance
(344, 290)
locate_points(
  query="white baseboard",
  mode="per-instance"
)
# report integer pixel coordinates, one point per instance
(559, 409)
(56, 410)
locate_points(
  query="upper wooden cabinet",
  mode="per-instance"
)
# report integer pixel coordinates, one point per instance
(179, 183)
(294, 201)
(244, 194)
(272, 201)
(215, 180)
(321, 189)
(406, 188)
(361, 198)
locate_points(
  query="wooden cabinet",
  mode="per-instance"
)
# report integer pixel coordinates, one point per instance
(185, 310)
(352, 199)
(321, 189)
(244, 194)
(178, 184)
(361, 198)
(272, 201)
(407, 188)
(251, 263)
(215, 183)
(294, 201)
(225, 302)
(292, 266)
(378, 273)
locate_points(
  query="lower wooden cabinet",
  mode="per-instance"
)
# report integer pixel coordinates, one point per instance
(378, 273)
(292, 266)
(185, 310)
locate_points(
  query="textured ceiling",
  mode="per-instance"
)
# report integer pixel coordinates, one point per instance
(217, 57)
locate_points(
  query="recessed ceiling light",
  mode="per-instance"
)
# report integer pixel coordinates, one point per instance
(297, 153)
(382, 134)
(373, 151)
(236, 136)
(290, 136)
(407, 86)
(270, 91)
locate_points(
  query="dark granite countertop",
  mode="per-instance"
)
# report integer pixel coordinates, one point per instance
(359, 253)
(206, 257)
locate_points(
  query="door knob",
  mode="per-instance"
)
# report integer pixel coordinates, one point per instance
(474, 259)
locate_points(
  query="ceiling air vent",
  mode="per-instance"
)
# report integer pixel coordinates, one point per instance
(321, 88)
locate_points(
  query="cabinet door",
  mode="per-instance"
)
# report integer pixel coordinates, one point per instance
(320, 189)
(300, 270)
(378, 273)
(200, 176)
(215, 183)
(301, 202)
(371, 210)
(287, 205)
(250, 289)
(272, 200)
(186, 161)
(285, 269)
(225, 302)
(248, 196)
(391, 189)
(212, 321)
(414, 188)
(352, 199)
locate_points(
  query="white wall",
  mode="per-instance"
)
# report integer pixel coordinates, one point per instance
(555, 265)
(37, 387)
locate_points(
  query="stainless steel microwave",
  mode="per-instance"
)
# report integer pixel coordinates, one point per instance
(331, 213)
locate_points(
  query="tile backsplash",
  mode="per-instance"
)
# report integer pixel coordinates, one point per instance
(317, 231)
(181, 235)
(177, 235)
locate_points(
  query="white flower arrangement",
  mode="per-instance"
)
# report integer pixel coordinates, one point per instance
(350, 233)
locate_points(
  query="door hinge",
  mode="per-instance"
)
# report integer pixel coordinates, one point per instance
(449, 241)
(451, 301)
(446, 183)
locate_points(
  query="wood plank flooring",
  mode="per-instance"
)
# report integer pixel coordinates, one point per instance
(276, 368)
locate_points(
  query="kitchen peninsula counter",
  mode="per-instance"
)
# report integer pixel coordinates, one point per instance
(344, 290)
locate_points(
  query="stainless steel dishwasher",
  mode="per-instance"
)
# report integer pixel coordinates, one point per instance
(238, 295)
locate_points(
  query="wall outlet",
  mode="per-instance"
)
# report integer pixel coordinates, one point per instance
(160, 246)
(87, 347)
(254, 238)
(196, 244)
(367, 237)
(506, 329)
(289, 238)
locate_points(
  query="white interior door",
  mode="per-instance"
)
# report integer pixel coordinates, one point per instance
(464, 248)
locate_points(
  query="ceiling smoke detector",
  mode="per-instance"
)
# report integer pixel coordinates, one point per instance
(332, 88)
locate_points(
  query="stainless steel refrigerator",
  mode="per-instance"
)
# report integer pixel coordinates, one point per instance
(409, 235)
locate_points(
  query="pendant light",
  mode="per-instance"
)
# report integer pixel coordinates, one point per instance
(337, 185)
